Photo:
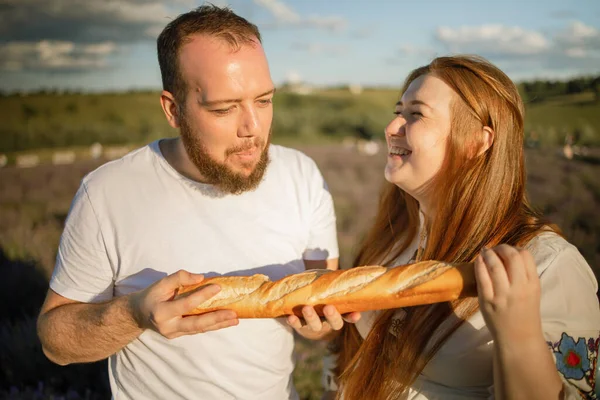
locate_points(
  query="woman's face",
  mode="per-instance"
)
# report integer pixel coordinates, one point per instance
(417, 136)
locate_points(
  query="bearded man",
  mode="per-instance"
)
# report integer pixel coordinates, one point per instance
(216, 200)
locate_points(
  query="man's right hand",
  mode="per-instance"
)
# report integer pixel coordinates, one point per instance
(154, 307)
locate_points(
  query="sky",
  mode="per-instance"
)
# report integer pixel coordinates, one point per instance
(108, 45)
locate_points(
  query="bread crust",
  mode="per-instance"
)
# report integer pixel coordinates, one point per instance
(356, 289)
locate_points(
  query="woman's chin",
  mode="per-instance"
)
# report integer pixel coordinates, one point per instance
(393, 175)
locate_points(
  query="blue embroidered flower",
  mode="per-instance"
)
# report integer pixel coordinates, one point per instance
(572, 358)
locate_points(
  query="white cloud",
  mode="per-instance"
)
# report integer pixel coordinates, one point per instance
(279, 10)
(54, 55)
(99, 48)
(293, 77)
(574, 48)
(85, 20)
(285, 16)
(332, 23)
(580, 36)
(320, 48)
(417, 51)
(364, 32)
(496, 39)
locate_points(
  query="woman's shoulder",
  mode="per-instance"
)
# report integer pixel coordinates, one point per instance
(569, 285)
(548, 247)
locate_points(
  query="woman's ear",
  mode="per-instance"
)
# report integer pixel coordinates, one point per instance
(487, 139)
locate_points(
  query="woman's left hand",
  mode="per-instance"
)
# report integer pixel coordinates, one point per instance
(314, 327)
(509, 294)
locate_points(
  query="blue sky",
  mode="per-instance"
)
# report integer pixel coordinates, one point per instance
(110, 44)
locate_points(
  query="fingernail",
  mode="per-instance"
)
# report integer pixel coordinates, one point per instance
(309, 313)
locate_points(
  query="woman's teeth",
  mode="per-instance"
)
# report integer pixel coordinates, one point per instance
(399, 151)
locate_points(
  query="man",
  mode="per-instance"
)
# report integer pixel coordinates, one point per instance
(216, 200)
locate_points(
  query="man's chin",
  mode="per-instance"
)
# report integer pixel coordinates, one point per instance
(243, 170)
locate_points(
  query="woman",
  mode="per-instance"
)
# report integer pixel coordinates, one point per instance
(456, 193)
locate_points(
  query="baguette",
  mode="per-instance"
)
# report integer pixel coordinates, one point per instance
(356, 289)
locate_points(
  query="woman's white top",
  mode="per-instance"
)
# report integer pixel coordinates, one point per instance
(462, 367)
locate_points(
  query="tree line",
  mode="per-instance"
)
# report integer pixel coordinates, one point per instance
(540, 90)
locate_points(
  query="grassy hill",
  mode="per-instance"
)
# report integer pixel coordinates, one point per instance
(56, 121)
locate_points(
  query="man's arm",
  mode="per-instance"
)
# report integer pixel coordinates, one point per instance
(75, 332)
(71, 331)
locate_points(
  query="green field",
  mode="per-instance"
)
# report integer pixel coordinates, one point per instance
(34, 201)
(44, 121)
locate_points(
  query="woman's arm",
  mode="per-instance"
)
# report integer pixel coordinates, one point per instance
(509, 298)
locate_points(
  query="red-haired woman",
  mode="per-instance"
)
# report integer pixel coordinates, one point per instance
(456, 192)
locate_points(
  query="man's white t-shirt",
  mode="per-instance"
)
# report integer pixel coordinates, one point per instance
(135, 220)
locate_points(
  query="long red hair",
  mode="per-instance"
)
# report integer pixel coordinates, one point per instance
(479, 201)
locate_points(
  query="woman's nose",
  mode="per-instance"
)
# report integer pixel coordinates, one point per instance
(395, 127)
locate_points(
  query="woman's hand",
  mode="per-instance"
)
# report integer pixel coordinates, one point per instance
(509, 294)
(312, 327)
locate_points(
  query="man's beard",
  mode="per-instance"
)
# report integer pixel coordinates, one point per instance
(219, 174)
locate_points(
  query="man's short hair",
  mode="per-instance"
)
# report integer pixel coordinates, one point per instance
(210, 20)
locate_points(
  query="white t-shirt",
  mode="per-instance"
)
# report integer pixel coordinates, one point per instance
(462, 368)
(135, 220)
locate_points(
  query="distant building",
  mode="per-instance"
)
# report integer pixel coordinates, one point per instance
(355, 88)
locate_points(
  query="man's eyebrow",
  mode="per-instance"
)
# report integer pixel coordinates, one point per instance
(215, 102)
(418, 102)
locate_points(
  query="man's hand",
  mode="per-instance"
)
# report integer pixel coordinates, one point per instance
(154, 307)
(312, 327)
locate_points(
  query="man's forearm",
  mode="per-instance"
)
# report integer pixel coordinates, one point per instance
(77, 333)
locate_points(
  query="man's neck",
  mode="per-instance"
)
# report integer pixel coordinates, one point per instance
(173, 151)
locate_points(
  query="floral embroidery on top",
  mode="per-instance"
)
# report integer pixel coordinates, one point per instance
(398, 322)
(576, 361)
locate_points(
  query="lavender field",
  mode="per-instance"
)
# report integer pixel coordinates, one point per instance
(34, 203)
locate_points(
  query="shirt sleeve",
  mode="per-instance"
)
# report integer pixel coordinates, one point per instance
(322, 242)
(82, 271)
(571, 321)
(570, 318)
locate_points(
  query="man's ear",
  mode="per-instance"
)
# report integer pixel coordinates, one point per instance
(169, 106)
(487, 139)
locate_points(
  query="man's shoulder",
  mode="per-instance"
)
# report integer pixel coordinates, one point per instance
(132, 164)
(288, 157)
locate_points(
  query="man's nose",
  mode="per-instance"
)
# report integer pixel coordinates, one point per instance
(250, 125)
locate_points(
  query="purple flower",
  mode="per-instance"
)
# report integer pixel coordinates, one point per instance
(592, 344)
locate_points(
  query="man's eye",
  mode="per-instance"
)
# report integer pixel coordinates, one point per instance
(265, 102)
(222, 111)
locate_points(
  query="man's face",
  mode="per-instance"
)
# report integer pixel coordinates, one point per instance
(227, 115)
